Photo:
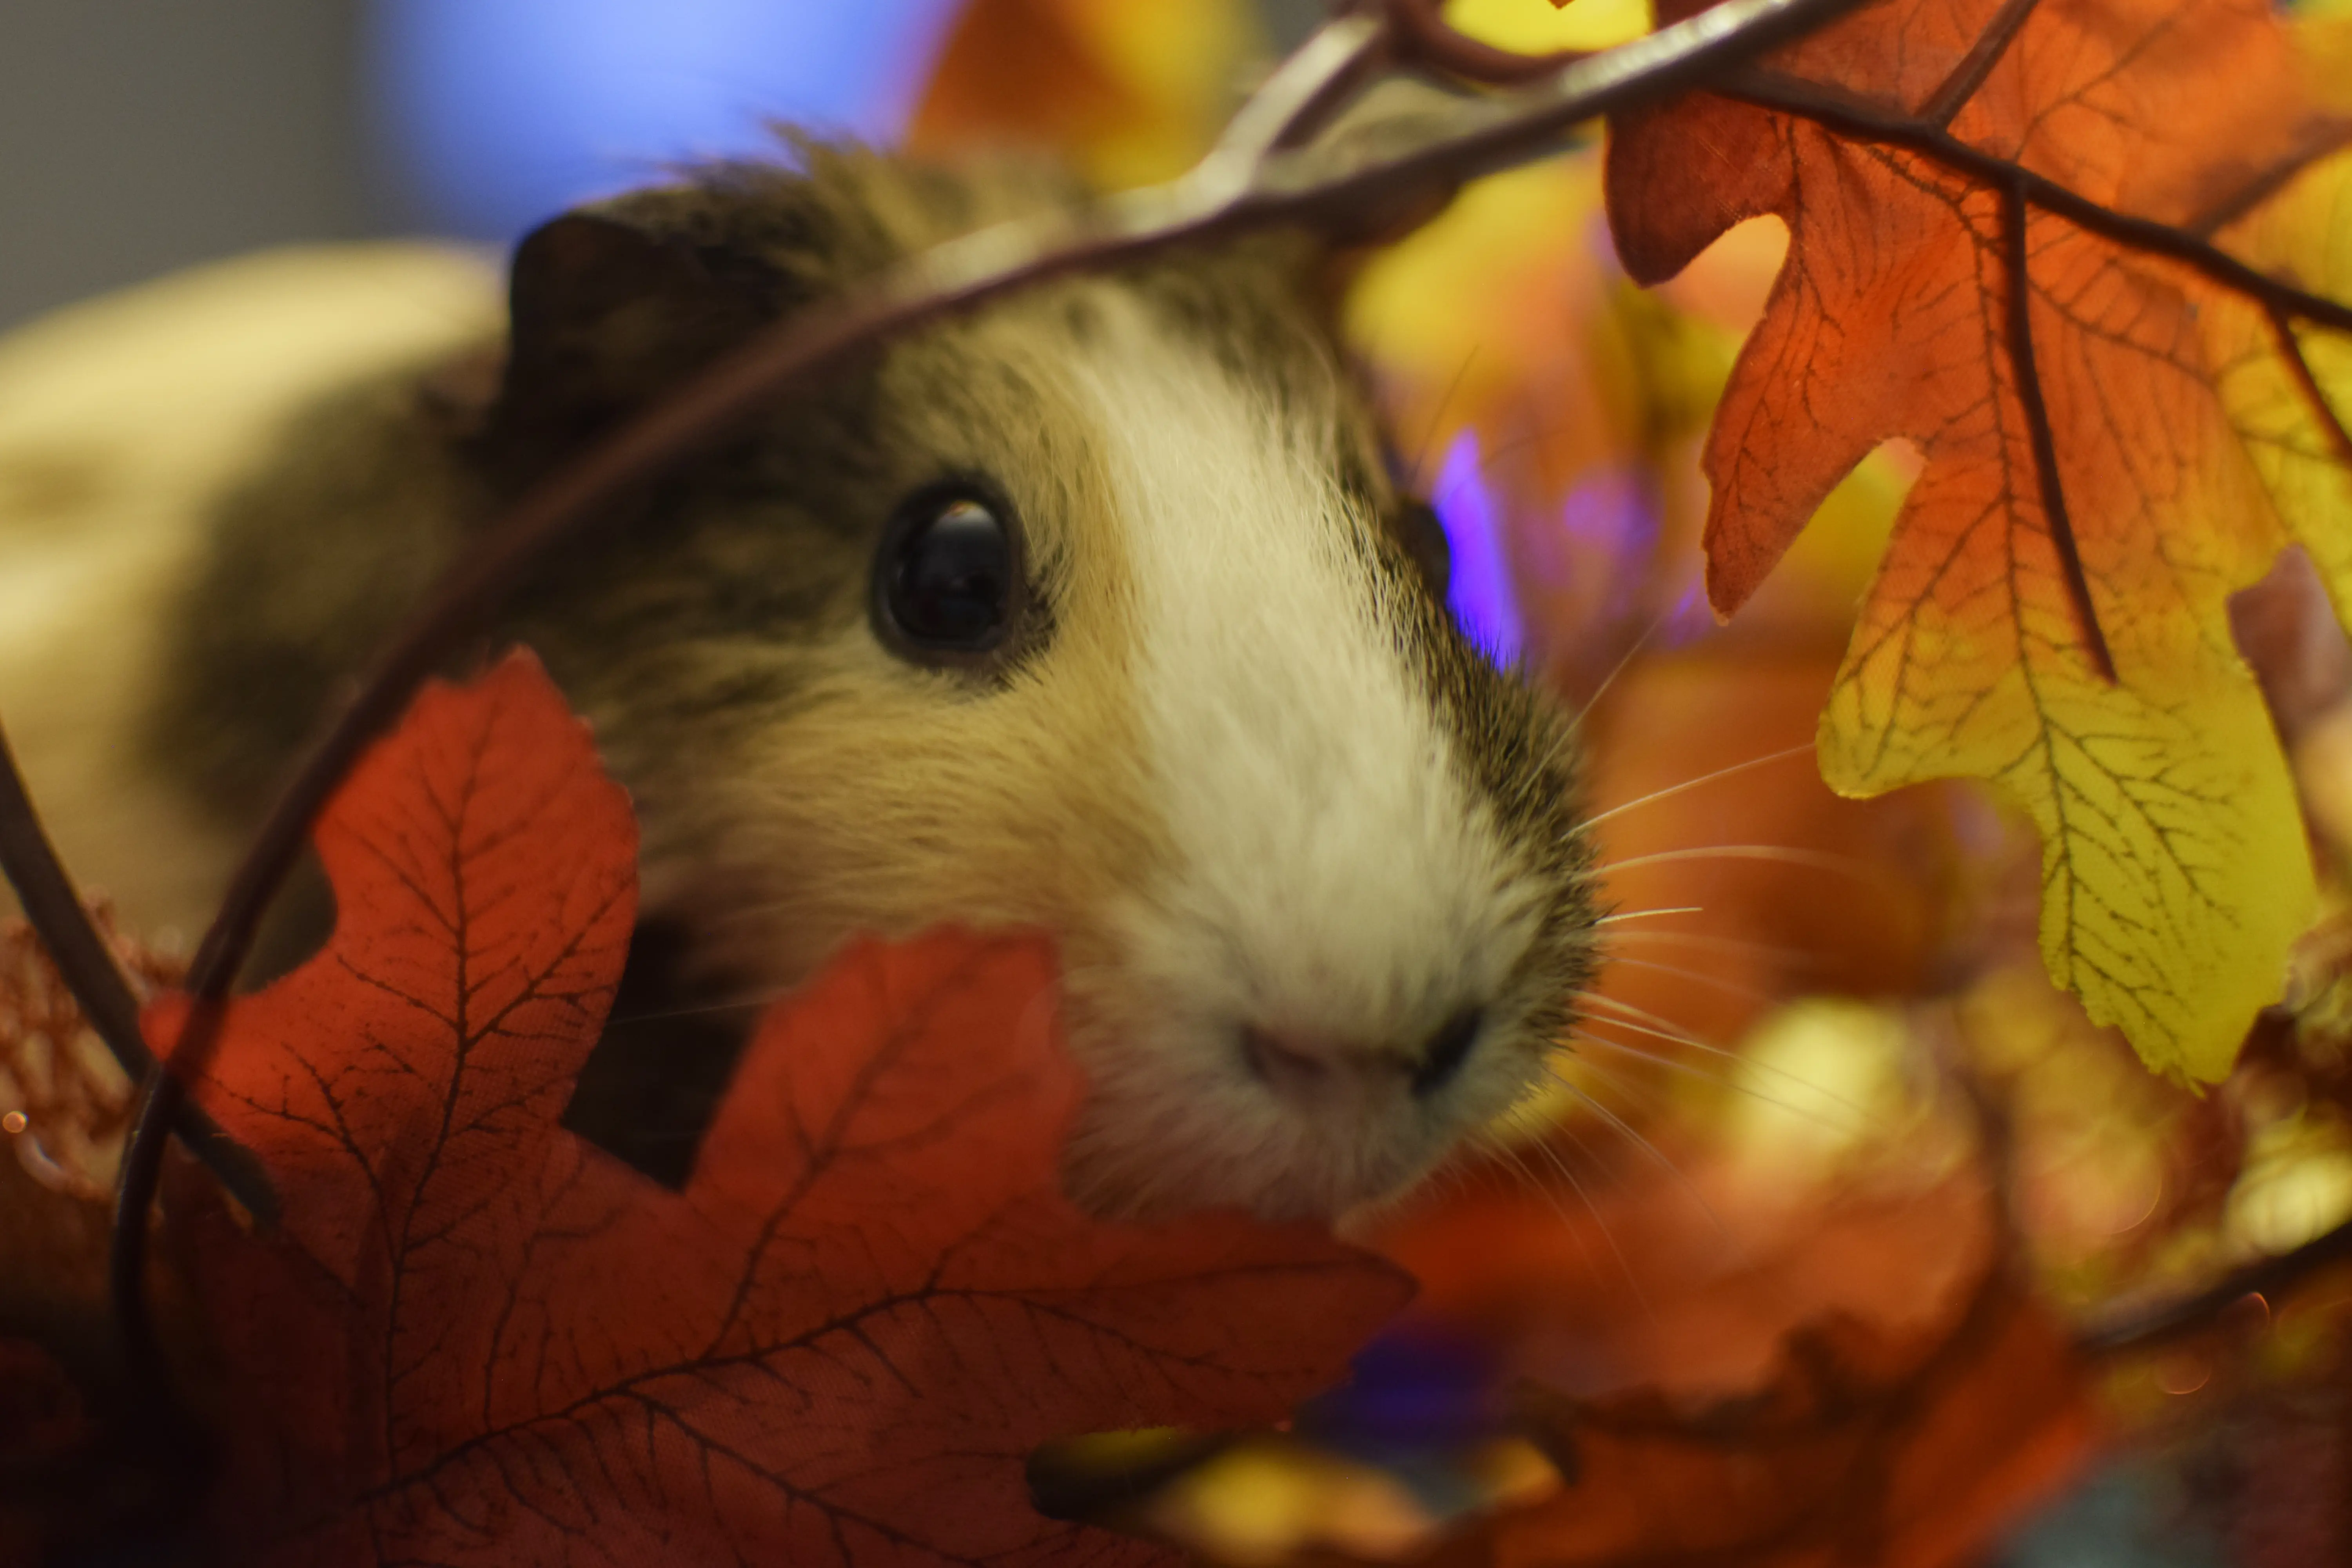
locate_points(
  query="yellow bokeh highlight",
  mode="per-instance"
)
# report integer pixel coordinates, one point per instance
(1541, 27)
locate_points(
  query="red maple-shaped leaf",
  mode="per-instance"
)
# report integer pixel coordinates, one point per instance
(479, 1339)
(1999, 215)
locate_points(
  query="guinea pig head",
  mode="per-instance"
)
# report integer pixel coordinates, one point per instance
(1094, 613)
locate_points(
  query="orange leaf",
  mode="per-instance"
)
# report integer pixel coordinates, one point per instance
(1128, 93)
(1854, 1378)
(481, 1340)
(2052, 612)
(1857, 1450)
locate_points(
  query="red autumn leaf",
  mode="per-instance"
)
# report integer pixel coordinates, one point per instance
(1960, 179)
(1726, 1378)
(1859, 1449)
(480, 1340)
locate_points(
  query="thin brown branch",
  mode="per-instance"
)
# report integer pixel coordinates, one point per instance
(2039, 434)
(1329, 184)
(1423, 37)
(2290, 349)
(2193, 1314)
(1305, 89)
(54, 908)
(161, 1113)
(47, 895)
(1952, 94)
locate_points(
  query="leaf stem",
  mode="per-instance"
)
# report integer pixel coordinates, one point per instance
(2038, 431)
(1952, 94)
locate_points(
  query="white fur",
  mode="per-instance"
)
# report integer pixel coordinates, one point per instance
(1331, 873)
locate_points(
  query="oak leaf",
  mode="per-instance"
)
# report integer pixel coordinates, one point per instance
(479, 1339)
(1960, 179)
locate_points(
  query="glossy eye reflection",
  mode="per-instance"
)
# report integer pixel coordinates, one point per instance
(948, 580)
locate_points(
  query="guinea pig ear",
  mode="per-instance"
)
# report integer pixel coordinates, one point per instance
(608, 308)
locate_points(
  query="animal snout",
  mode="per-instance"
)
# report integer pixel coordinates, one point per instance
(1311, 1067)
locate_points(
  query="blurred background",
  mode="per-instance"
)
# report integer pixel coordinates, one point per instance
(1832, 1092)
(135, 139)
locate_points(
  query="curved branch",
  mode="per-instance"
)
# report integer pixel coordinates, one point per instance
(54, 908)
(2172, 1320)
(1423, 37)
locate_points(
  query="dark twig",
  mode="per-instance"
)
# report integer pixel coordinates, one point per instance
(1424, 38)
(160, 1107)
(2039, 434)
(1298, 100)
(1323, 183)
(1952, 94)
(56, 912)
(2173, 1320)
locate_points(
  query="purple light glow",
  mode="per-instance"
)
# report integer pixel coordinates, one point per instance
(1480, 595)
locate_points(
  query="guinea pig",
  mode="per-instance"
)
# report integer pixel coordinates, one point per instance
(1098, 612)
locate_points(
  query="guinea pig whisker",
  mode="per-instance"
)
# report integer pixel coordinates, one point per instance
(1634, 650)
(1670, 791)
(1722, 1078)
(1745, 947)
(1663, 1030)
(1735, 988)
(1650, 1022)
(1777, 854)
(1633, 1135)
(1550, 1192)
(699, 1009)
(1623, 915)
(1437, 422)
(1558, 1162)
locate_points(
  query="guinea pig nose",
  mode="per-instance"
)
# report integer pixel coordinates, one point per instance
(1447, 1050)
(1289, 1060)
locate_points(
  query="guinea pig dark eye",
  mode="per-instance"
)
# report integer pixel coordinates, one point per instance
(1421, 532)
(946, 580)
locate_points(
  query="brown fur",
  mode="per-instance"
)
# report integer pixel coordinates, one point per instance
(795, 780)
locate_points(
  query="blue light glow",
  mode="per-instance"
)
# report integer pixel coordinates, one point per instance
(496, 113)
(1480, 595)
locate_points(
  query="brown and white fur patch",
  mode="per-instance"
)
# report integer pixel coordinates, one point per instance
(1315, 867)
